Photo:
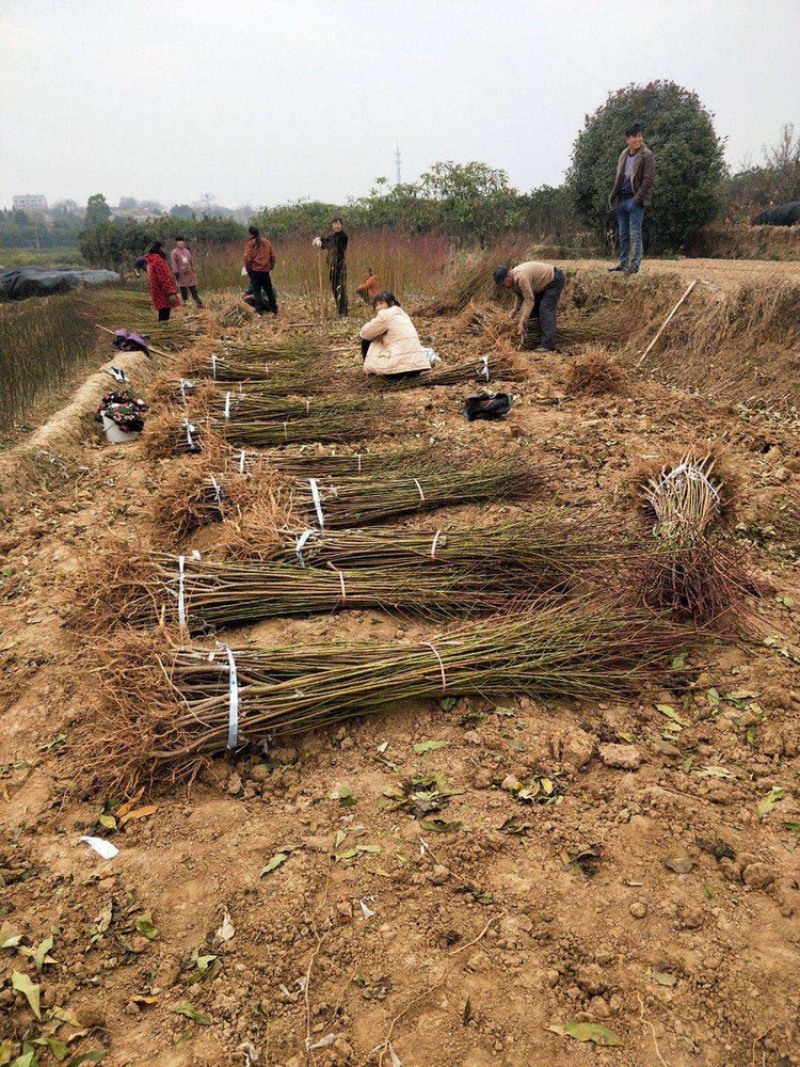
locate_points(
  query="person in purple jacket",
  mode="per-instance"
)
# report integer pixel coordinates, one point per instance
(183, 269)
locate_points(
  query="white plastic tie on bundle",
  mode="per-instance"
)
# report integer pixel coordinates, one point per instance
(317, 501)
(419, 490)
(227, 405)
(436, 537)
(184, 385)
(217, 489)
(358, 457)
(233, 696)
(241, 461)
(213, 365)
(300, 544)
(286, 430)
(189, 431)
(182, 592)
(485, 361)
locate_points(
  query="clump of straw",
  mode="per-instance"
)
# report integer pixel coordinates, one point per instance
(596, 375)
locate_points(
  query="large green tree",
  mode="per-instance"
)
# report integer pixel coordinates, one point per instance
(689, 161)
(97, 211)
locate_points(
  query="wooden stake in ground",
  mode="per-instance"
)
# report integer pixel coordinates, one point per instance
(319, 275)
(667, 320)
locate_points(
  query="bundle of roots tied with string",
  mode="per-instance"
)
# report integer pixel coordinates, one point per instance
(690, 570)
(165, 714)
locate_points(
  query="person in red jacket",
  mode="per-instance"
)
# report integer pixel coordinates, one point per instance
(259, 260)
(161, 281)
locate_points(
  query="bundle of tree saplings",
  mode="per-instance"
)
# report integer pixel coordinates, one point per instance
(195, 703)
(233, 404)
(690, 571)
(353, 502)
(333, 425)
(483, 369)
(199, 593)
(314, 461)
(544, 551)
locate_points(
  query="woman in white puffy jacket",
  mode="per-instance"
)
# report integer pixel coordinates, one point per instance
(390, 342)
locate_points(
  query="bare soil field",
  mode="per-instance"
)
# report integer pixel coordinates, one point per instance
(641, 908)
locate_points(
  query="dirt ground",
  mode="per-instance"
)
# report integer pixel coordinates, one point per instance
(728, 274)
(658, 899)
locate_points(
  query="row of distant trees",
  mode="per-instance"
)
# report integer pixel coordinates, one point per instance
(475, 203)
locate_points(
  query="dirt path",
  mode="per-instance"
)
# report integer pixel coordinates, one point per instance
(728, 274)
(657, 900)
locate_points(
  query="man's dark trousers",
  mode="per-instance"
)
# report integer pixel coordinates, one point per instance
(261, 280)
(338, 277)
(544, 308)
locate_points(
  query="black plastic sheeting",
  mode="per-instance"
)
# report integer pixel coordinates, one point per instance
(18, 283)
(782, 215)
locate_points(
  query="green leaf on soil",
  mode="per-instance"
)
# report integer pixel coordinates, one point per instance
(442, 827)
(679, 662)
(27, 1059)
(627, 737)
(594, 1032)
(466, 1015)
(505, 711)
(512, 825)
(344, 796)
(428, 746)
(61, 739)
(713, 697)
(22, 983)
(87, 1057)
(190, 1013)
(9, 937)
(447, 703)
(274, 863)
(712, 772)
(671, 713)
(663, 978)
(185, 1037)
(767, 803)
(59, 1049)
(40, 957)
(340, 836)
(108, 821)
(144, 926)
(709, 892)
(204, 962)
(792, 827)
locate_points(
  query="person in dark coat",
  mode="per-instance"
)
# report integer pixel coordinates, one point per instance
(161, 282)
(636, 169)
(336, 246)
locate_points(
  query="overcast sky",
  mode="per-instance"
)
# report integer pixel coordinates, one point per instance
(265, 101)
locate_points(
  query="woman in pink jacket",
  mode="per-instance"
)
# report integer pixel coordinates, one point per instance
(183, 269)
(390, 342)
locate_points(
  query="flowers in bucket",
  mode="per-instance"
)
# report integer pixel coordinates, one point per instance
(124, 409)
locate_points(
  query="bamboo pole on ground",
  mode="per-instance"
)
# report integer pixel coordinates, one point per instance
(667, 321)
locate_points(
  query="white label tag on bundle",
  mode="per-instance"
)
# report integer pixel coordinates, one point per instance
(485, 361)
(317, 501)
(227, 405)
(298, 548)
(189, 431)
(241, 461)
(233, 695)
(185, 384)
(181, 592)
(358, 457)
(217, 489)
(213, 365)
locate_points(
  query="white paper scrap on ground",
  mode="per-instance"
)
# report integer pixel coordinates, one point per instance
(101, 846)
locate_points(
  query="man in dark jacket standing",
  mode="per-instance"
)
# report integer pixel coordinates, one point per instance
(336, 245)
(636, 170)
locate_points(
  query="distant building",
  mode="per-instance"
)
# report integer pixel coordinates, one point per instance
(30, 202)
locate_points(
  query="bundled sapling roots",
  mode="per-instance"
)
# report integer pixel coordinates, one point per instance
(690, 571)
(594, 374)
(159, 718)
(194, 496)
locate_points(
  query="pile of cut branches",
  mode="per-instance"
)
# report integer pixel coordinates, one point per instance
(483, 369)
